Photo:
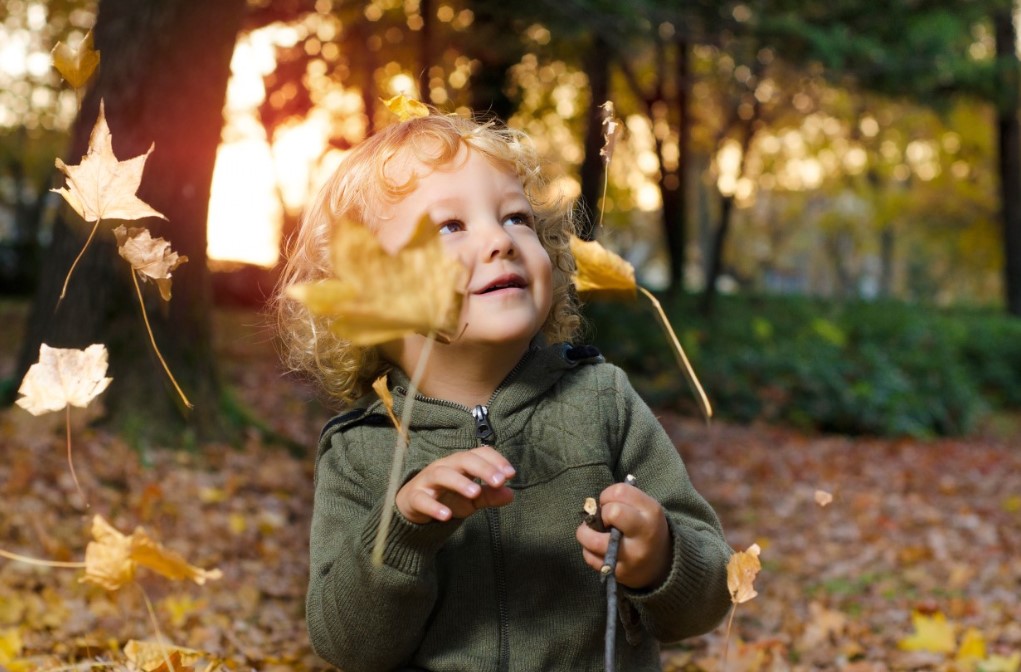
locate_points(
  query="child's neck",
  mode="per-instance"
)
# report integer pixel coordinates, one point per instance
(465, 375)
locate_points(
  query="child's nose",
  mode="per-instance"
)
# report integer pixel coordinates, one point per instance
(498, 242)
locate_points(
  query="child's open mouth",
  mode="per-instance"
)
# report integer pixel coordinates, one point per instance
(503, 283)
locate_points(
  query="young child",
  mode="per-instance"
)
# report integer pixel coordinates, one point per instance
(486, 564)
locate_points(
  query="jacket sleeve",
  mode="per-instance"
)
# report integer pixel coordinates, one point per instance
(694, 597)
(362, 617)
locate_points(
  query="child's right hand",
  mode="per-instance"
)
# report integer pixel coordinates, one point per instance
(457, 486)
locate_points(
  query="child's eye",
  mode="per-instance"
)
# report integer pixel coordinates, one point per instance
(451, 226)
(518, 218)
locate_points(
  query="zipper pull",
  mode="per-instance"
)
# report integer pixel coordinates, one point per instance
(483, 430)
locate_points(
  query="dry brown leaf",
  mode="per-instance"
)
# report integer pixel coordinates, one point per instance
(381, 389)
(151, 656)
(742, 568)
(64, 377)
(611, 131)
(151, 257)
(823, 498)
(378, 296)
(101, 187)
(76, 66)
(112, 558)
(406, 108)
(601, 272)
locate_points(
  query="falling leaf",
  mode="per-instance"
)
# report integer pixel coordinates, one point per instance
(932, 633)
(101, 187)
(76, 66)
(151, 656)
(742, 568)
(381, 389)
(150, 257)
(600, 271)
(64, 377)
(378, 296)
(823, 498)
(406, 108)
(112, 558)
(611, 130)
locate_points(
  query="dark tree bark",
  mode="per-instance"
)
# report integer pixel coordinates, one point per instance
(1009, 157)
(674, 184)
(163, 78)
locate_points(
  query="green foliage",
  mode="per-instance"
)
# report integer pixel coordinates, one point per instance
(878, 368)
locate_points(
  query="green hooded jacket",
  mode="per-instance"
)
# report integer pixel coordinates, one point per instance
(506, 589)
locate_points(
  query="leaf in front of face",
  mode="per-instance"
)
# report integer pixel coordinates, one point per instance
(64, 377)
(601, 272)
(76, 66)
(378, 296)
(101, 187)
(151, 257)
(112, 558)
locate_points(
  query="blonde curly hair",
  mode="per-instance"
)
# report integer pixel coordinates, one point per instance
(362, 183)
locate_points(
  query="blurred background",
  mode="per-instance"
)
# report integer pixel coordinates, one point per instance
(826, 196)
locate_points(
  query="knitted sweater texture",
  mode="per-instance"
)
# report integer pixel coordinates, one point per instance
(506, 589)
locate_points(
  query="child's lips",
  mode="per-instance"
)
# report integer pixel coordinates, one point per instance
(504, 284)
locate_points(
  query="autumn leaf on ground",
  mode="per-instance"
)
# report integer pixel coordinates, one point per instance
(76, 66)
(378, 296)
(932, 633)
(10, 645)
(602, 274)
(150, 257)
(101, 187)
(112, 558)
(64, 377)
(406, 108)
(151, 656)
(742, 568)
(823, 498)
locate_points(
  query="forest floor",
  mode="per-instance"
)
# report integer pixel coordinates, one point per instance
(914, 565)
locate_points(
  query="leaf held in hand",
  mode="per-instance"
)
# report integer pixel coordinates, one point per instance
(112, 558)
(406, 108)
(742, 568)
(601, 272)
(76, 66)
(378, 296)
(64, 377)
(151, 257)
(101, 187)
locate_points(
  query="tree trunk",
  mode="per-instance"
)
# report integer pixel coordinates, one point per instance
(163, 79)
(674, 186)
(593, 168)
(1009, 158)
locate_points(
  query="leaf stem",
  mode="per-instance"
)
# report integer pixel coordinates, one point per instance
(726, 639)
(41, 563)
(403, 439)
(682, 358)
(152, 339)
(70, 462)
(156, 626)
(67, 278)
(602, 199)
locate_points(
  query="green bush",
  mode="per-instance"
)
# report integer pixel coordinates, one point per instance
(879, 368)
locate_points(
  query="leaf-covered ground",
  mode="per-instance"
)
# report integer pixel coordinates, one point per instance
(925, 528)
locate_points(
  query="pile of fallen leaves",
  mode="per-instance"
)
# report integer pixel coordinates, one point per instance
(913, 565)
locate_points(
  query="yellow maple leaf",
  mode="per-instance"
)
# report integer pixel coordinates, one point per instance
(64, 377)
(742, 568)
(152, 656)
(378, 296)
(150, 257)
(932, 633)
(601, 272)
(101, 187)
(406, 108)
(972, 649)
(76, 66)
(112, 558)
(10, 645)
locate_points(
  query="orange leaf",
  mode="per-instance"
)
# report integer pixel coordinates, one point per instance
(742, 568)
(112, 558)
(600, 271)
(64, 377)
(76, 66)
(378, 296)
(150, 257)
(101, 187)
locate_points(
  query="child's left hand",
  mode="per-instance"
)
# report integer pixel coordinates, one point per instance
(643, 560)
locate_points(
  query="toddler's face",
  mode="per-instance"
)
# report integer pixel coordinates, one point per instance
(486, 221)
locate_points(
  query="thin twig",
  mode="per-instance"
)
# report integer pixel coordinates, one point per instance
(400, 450)
(726, 639)
(682, 358)
(152, 339)
(41, 563)
(70, 462)
(609, 574)
(156, 626)
(67, 278)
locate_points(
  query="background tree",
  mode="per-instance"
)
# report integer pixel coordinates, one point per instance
(163, 78)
